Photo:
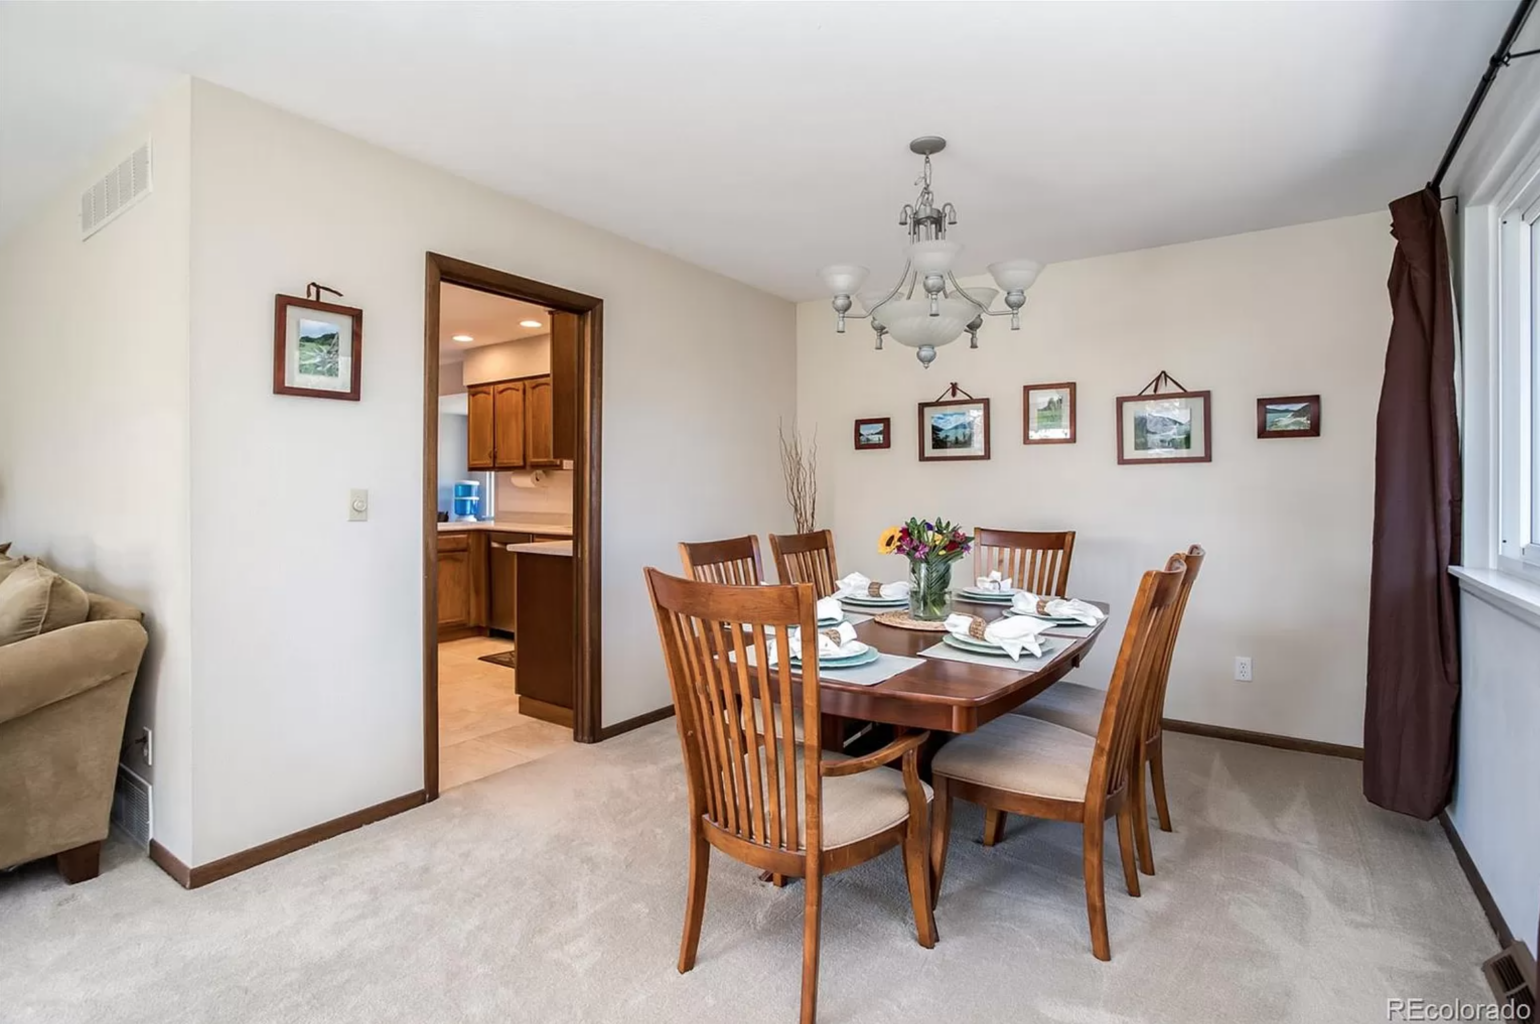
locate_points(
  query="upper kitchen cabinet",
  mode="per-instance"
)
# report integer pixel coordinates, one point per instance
(564, 384)
(481, 443)
(510, 425)
(540, 442)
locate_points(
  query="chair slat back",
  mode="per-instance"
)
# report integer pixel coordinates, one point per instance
(1144, 640)
(1036, 561)
(806, 558)
(1156, 703)
(734, 562)
(747, 774)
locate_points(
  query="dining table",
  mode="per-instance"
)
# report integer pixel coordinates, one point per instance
(945, 695)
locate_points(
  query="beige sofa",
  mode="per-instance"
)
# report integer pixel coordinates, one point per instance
(63, 701)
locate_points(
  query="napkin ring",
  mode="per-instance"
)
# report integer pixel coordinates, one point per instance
(1042, 605)
(874, 589)
(976, 627)
(834, 636)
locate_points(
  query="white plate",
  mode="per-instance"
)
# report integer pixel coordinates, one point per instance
(978, 647)
(877, 602)
(866, 655)
(1058, 620)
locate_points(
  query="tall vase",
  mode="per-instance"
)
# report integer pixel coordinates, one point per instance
(928, 590)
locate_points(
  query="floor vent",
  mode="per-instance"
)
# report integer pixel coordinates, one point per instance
(117, 190)
(1511, 974)
(131, 807)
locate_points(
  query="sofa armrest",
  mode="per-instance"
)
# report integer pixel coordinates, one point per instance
(55, 666)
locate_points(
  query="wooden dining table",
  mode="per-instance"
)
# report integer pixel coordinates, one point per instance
(944, 695)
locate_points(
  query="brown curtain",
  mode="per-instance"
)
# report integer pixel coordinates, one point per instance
(1414, 661)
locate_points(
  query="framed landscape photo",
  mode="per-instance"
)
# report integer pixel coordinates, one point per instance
(317, 348)
(1048, 413)
(954, 431)
(874, 433)
(1173, 427)
(1289, 416)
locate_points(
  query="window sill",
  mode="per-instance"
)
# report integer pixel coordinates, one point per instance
(1518, 597)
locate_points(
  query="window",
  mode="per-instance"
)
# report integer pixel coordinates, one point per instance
(1518, 381)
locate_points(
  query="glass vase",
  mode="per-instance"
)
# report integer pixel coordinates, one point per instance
(929, 585)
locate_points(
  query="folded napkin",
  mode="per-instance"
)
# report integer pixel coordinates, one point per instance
(1013, 634)
(835, 642)
(994, 582)
(856, 585)
(829, 608)
(1058, 607)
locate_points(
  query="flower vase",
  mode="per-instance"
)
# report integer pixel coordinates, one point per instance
(929, 585)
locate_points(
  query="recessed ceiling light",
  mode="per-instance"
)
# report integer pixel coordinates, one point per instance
(463, 337)
(529, 323)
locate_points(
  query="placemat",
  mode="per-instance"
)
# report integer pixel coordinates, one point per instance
(901, 619)
(885, 667)
(1051, 647)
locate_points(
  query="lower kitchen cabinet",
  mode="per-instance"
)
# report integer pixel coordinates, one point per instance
(462, 584)
(547, 615)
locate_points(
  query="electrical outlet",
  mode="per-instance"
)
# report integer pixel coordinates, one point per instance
(358, 505)
(147, 746)
(1242, 669)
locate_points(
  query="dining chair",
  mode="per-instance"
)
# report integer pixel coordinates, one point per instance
(806, 558)
(1079, 707)
(734, 561)
(1024, 765)
(1037, 561)
(756, 794)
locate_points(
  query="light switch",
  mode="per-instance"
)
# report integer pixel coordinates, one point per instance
(358, 505)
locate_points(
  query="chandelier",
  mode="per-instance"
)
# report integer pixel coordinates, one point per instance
(945, 310)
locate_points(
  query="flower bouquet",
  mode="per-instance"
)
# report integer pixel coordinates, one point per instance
(931, 547)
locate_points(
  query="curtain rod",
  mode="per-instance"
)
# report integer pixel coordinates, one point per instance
(1499, 60)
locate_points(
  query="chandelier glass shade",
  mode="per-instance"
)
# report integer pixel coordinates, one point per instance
(927, 308)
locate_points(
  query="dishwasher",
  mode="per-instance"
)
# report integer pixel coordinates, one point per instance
(502, 580)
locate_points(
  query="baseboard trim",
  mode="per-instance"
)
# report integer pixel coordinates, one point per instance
(1264, 739)
(224, 867)
(609, 732)
(1477, 883)
(545, 711)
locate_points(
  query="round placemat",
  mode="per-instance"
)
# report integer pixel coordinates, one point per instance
(903, 620)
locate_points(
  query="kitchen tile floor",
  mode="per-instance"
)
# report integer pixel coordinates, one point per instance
(480, 730)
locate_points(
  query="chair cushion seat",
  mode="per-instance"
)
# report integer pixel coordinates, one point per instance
(861, 805)
(1071, 705)
(796, 721)
(1020, 754)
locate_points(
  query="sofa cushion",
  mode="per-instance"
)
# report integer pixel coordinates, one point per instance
(35, 600)
(8, 565)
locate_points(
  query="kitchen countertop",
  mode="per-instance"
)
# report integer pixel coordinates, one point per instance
(552, 527)
(562, 548)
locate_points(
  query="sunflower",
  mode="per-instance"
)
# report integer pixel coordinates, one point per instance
(888, 542)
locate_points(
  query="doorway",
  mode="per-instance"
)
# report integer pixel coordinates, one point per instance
(568, 396)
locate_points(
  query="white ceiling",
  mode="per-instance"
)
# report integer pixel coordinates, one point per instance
(765, 140)
(486, 318)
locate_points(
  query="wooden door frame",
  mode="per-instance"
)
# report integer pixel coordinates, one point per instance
(586, 710)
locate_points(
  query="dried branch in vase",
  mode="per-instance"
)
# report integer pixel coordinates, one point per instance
(799, 465)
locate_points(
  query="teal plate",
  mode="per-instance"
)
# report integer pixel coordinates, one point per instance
(876, 602)
(866, 657)
(976, 647)
(1057, 620)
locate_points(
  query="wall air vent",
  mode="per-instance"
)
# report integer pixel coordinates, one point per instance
(115, 192)
(131, 807)
(1511, 974)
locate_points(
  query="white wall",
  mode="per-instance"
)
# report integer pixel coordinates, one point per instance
(1287, 523)
(1497, 776)
(94, 422)
(526, 357)
(309, 627)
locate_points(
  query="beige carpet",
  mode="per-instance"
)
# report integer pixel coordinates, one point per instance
(553, 892)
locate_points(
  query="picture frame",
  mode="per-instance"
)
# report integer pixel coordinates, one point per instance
(1048, 413)
(956, 430)
(1160, 429)
(874, 434)
(317, 348)
(1289, 416)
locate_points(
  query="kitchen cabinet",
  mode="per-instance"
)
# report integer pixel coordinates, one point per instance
(462, 584)
(502, 582)
(564, 384)
(513, 424)
(547, 610)
(508, 424)
(540, 433)
(480, 441)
